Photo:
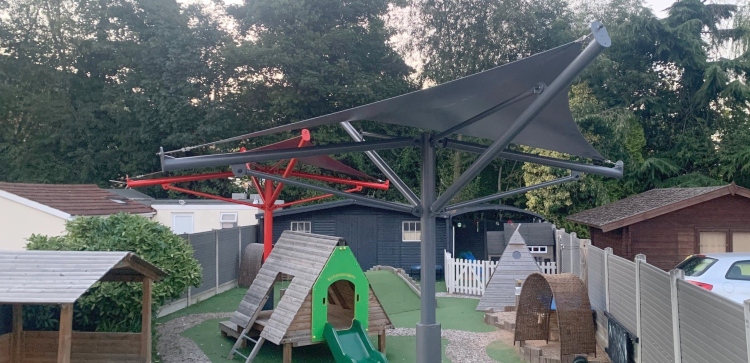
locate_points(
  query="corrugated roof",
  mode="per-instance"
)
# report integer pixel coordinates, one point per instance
(323, 206)
(76, 199)
(652, 202)
(61, 277)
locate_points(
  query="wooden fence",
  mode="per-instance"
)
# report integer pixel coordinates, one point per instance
(470, 277)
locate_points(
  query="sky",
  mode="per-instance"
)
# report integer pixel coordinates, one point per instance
(658, 6)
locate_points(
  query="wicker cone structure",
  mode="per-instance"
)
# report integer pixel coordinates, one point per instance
(574, 317)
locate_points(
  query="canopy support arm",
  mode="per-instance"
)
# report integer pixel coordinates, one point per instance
(208, 161)
(573, 177)
(241, 170)
(613, 172)
(383, 166)
(561, 83)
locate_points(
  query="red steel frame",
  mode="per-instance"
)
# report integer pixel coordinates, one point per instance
(266, 189)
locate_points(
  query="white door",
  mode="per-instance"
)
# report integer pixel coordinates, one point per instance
(182, 223)
(740, 241)
(713, 242)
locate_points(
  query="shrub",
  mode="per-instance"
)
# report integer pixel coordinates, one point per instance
(116, 306)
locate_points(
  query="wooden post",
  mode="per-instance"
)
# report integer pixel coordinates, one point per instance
(146, 320)
(65, 334)
(17, 333)
(381, 341)
(287, 354)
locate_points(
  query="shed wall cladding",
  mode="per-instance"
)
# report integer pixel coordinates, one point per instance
(6, 319)
(597, 296)
(611, 239)
(712, 328)
(622, 292)
(656, 316)
(374, 235)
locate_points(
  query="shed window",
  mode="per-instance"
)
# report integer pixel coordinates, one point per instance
(713, 242)
(305, 227)
(538, 249)
(411, 231)
(740, 241)
(228, 220)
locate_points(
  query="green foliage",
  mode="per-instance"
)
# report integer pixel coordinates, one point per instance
(116, 306)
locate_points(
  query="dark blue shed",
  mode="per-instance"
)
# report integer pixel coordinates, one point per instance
(376, 235)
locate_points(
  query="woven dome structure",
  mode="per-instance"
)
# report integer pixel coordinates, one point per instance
(574, 316)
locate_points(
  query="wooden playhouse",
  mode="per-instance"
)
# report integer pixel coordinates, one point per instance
(328, 293)
(61, 278)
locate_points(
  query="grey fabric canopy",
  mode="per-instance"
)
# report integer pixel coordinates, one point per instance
(444, 106)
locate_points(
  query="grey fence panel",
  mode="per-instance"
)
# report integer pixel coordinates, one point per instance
(229, 254)
(712, 328)
(622, 304)
(249, 235)
(656, 341)
(597, 290)
(204, 245)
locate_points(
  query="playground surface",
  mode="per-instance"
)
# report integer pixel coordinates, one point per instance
(192, 334)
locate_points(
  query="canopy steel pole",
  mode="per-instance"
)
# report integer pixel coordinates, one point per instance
(207, 161)
(489, 198)
(596, 46)
(383, 166)
(240, 170)
(428, 330)
(612, 172)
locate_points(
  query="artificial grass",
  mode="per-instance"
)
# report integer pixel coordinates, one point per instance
(225, 302)
(452, 313)
(392, 292)
(207, 336)
(502, 353)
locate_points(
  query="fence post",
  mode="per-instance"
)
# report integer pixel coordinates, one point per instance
(584, 257)
(573, 246)
(190, 288)
(639, 259)
(607, 252)
(675, 275)
(747, 327)
(216, 288)
(559, 247)
(239, 247)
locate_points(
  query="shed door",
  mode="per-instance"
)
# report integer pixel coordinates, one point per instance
(741, 242)
(361, 234)
(713, 242)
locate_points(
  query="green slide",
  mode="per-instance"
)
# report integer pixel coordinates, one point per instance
(352, 345)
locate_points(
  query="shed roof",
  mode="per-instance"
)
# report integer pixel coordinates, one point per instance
(61, 277)
(71, 199)
(324, 206)
(651, 204)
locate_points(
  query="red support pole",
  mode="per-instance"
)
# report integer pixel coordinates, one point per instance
(209, 196)
(268, 208)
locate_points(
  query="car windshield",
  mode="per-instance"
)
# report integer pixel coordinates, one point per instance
(696, 265)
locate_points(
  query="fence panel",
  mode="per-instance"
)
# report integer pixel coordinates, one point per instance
(564, 239)
(712, 328)
(204, 245)
(468, 277)
(597, 291)
(656, 338)
(622, 292)
(229, 255)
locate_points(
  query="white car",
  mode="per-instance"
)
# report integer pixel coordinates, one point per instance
(727, 274)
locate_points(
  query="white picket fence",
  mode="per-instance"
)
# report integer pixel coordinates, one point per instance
(470, 277)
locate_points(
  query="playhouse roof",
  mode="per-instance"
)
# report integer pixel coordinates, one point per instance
(302, 255)
(516, 263)
(61, 277)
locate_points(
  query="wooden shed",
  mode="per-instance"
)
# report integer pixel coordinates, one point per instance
(669, 224)
(60, 278)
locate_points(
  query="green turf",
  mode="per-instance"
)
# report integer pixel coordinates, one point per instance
(393, 293)
(452, 313)
(225, 302)
(206, 335)
(502, 353)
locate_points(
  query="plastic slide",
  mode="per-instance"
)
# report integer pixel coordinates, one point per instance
(352, 345)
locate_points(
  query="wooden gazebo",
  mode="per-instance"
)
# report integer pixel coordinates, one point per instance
(60, 278)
